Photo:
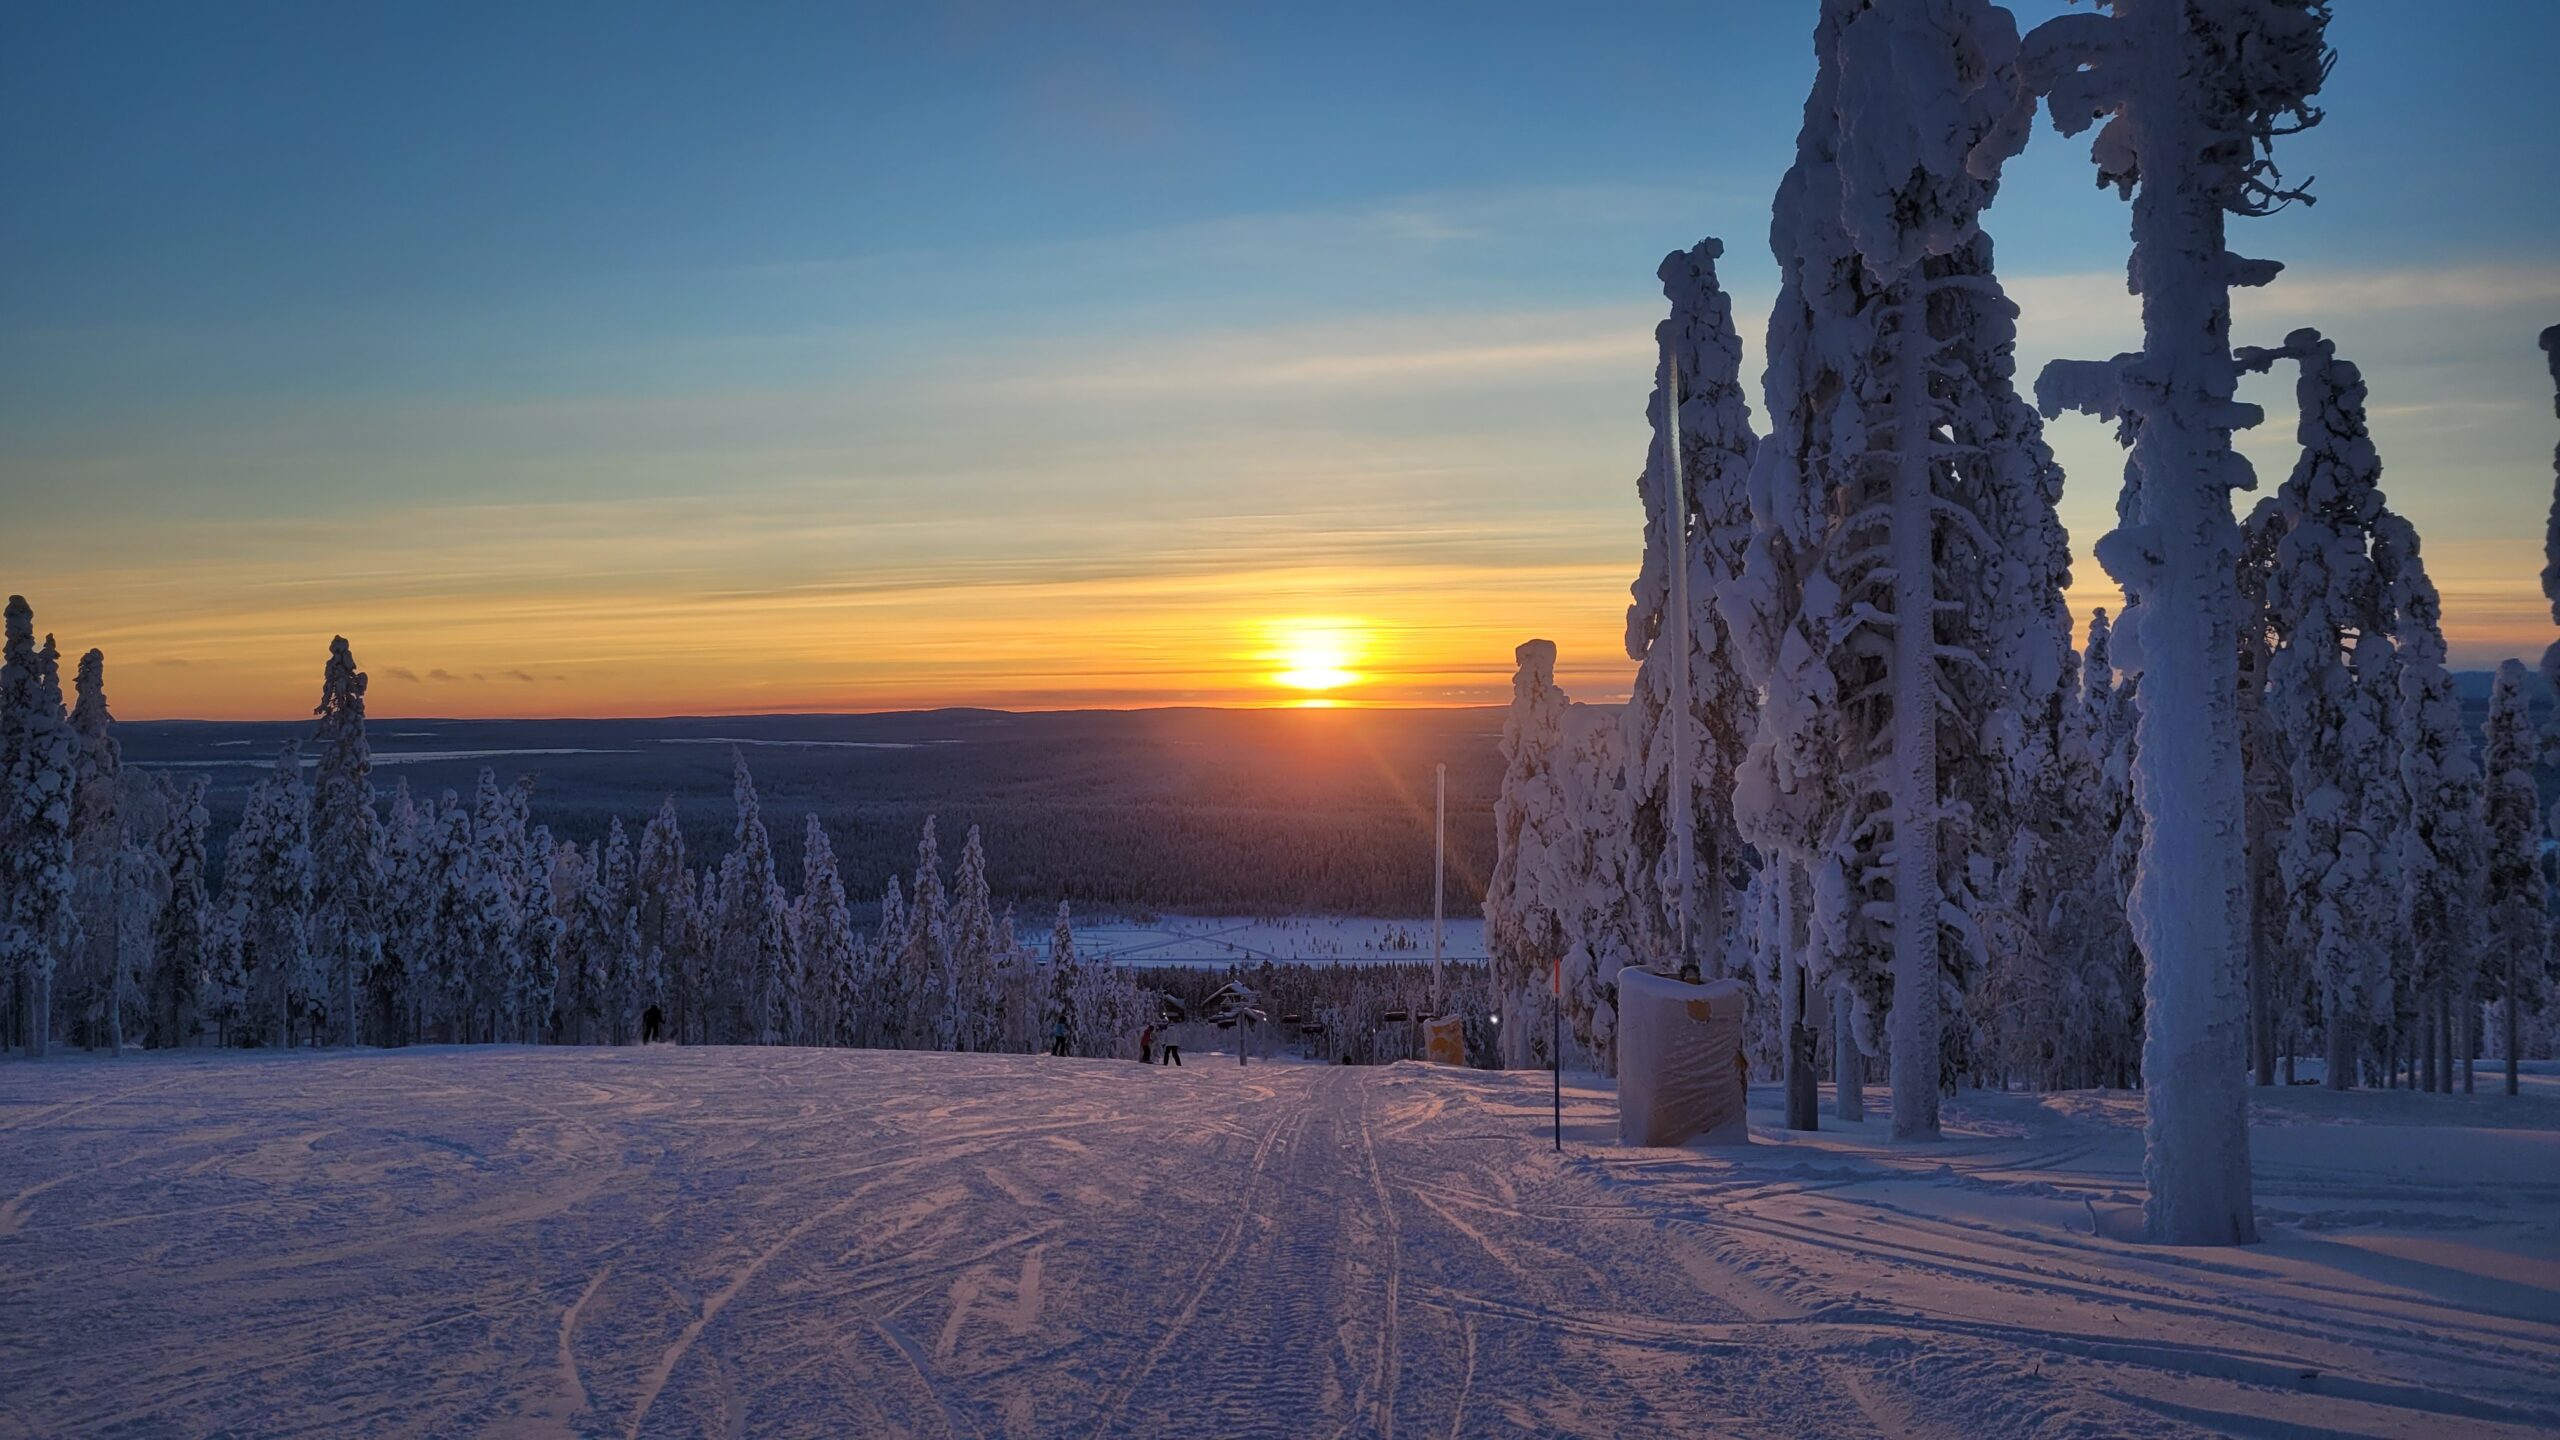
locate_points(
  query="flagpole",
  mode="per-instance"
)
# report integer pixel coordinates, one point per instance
(1439, 873)
(1675, 511)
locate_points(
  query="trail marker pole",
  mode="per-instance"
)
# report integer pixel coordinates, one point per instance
(1555, 1050)
(1439, 886)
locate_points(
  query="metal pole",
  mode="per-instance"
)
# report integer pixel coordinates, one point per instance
(1675, 511)
(1555, 1050)
(1439, 884)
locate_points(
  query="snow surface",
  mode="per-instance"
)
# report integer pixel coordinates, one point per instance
(772, 1241)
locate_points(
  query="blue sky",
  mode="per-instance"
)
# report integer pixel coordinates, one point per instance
(762, 355)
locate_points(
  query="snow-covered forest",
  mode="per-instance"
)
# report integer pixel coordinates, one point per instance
(345, 917)
(2236, 824)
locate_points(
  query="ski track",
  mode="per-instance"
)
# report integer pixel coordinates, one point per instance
(676, 1242)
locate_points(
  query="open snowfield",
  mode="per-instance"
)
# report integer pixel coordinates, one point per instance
(808, 1242)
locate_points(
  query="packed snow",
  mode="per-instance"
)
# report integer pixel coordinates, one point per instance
(779, 1241)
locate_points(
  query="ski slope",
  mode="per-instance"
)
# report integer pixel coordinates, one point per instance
(671, 1242)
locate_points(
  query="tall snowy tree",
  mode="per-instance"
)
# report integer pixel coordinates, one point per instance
(927, 970)
(663, 897)
(892, 1022)
(976, 977)
(347, 886)
(2323, 596)
(545, 938)
(183, 939)
(39, 770)
(754, 946)
(2518, 923)
(1703, 357)
(1904, 575)
(2192, 94)
(267, 884)
(100, 872)
(493, 915)
(1527, 900)
(400, 988)
(830, 955)
(621, 976)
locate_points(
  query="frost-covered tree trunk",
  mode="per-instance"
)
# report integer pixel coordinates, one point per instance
(2192, 93)
(346, 842)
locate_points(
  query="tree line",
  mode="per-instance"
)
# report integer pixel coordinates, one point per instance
(340, 920)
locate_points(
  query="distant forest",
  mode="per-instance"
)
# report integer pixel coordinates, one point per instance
(1256, 812)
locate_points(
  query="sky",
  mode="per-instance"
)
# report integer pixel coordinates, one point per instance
(649, 359)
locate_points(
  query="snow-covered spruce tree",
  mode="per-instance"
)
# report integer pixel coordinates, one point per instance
(892, 1012)
(2322, 595)
(1064, 974)
(2518, 923)
(347, 887)
(754, 945)
(545, 941)
(1704, 357)
(183, 936)
(267, 880)
(39, 769)
(493, 927)
(619, 974)
(568, 882)
(933, 988)
(830, 955)
(2192, 93)
(100, 983)
(1528, 899)
(1604, 931)
(976, 977)
(662, 892)
(1904, 575)
(400, 989)
(446, 958)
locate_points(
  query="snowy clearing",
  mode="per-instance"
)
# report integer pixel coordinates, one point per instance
(784, 1242)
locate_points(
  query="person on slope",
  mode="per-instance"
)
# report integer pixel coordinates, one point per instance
(1146, 1044)
(1058, 1038)
(1172, 1052)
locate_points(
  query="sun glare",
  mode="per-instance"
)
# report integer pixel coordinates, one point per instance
(1316, 657)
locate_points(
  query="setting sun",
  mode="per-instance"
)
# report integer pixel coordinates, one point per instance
(1316, 656)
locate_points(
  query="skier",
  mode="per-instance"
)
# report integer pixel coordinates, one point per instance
(1146, 1045)
(1058, 1038)
(653, 1026)
(1172, 1052)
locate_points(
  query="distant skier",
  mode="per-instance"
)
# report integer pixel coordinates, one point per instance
(1058, 1038)
(1147, 1045)
(653, 1026)
(1172, 1052)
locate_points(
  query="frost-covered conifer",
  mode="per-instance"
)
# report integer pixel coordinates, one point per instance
(1530, 896)
(182, 939)
(1716, 443)
(39, 768)
(1902, 586)
(830, 955)
(933, 988)
(662, 886)
(537, 990)
(577, 989)
(101, 981)
(893, 982)
(266, 882)
(400, 989)
(977, 974)
(2192, 94)
(445, 994)
(620, 976)
(493, 927)
(347, 896)
(754, 944)
(2322, 594)
(2518, 924)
